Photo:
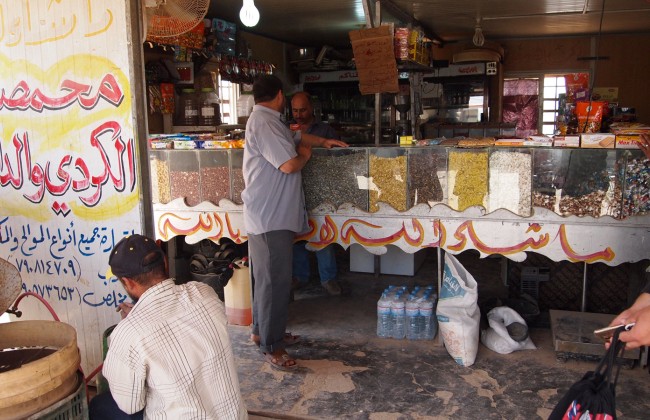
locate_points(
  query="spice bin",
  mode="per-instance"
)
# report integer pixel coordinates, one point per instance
(467, 178)
(215, 175)
(579, 182)
(159, 175)
(185, 180)
(333, 176)
(388, 178)
(510, 181)
(236, 175)
(427, 175)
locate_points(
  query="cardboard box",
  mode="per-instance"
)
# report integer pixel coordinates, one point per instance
(374, 56)
(566, 141)
(608, 94)
(394, 261)
(538, 141)
(509, 142)
(598, 141)
(627, 142)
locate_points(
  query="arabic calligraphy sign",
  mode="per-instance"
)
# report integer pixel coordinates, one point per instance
(69, 185)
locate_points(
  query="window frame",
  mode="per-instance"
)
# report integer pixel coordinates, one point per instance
(541, 75)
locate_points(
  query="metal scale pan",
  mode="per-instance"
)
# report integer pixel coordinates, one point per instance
(573, 336)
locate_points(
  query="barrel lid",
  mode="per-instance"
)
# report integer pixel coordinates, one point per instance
(10, 283)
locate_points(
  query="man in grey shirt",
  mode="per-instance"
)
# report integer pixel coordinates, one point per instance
(274, 211)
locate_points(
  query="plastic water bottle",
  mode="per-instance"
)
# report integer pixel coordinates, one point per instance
(384, 320)
(413, 330)
(398, 311)
(429, 326)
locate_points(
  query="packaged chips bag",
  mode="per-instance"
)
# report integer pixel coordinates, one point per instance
(590, 116)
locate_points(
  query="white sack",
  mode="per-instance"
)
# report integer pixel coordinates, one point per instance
(496, 337)
(458, 313)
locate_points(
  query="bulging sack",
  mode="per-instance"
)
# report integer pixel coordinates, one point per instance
(458, 313)
(497, 338)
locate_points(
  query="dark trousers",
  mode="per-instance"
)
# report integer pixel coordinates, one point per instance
(271, 256)
(104, 407)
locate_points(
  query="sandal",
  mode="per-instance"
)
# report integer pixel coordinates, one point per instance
(289, 339)
(282, 362)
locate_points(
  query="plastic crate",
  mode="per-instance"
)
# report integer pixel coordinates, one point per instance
(530, 278)
(72, 407)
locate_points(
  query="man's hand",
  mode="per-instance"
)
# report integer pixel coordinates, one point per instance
(329, 143)
(124, 308)
(639, 335)
(303, 151)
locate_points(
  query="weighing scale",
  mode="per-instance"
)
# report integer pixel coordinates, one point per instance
(573, 336)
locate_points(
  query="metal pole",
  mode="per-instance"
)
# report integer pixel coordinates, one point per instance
(440, 265)
(583, 306)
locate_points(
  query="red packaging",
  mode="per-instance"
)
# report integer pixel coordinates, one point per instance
(575, 83)
(167, 94)
(590, 116)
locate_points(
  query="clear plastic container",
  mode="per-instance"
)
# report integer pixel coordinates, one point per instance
(215, 175)
(209, 114)
(188, 113)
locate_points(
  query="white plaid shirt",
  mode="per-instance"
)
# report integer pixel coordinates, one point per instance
(171, 356)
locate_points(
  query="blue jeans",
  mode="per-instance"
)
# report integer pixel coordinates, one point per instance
(104, 407)
(326, 258)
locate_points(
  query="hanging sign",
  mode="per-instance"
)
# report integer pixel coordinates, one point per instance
(375, 59)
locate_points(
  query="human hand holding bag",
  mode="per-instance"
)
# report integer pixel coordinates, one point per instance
(594, 396)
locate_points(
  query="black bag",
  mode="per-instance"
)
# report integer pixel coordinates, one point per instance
(216, 270)
(594, 396)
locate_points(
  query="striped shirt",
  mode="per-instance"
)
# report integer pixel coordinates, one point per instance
(172, 357)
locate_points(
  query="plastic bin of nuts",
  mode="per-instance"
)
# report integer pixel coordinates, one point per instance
(159, 175)
(215, 175)
(577, 182)
(184, 176)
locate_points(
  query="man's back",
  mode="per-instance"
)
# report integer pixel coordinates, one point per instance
(172, 356)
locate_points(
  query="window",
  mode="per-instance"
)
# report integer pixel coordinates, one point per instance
(554, 86)
(228, 95)
(527, 105)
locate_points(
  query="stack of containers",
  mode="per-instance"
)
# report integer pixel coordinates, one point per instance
(407, 315)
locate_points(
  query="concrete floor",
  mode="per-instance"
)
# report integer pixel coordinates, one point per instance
(346, 372)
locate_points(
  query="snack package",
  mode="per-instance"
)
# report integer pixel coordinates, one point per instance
(576, 83)
(590, 116)
(167, 98)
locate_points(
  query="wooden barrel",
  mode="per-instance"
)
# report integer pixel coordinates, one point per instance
(40, 383)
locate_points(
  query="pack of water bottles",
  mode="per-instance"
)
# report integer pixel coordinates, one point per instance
(403, 314)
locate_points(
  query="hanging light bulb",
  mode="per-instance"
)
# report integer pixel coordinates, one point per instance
(249, 14)
(478, 39)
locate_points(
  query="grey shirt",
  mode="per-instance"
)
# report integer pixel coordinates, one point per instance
(272, 199)
(322, 129)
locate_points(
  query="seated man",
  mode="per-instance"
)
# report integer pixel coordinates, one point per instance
(302, 110)
(170, 356)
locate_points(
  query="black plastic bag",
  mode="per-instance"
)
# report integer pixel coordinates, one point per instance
(211, 271)
(594, 396)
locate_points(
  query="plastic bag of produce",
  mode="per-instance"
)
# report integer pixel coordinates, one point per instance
(508, 331)
(458, 313)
